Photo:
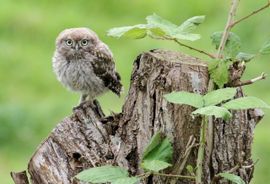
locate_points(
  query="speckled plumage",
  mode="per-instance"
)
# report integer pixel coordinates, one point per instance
(84, 64)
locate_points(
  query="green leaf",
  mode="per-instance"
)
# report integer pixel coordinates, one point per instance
(156, 32)
(163, 151)
(232, 177)
(249, 102)
(173, 31)
(102, 174)
(218, 70)
(129, 180)
(157, 154)
(190, 169)
(136, 32)
(218, 112)
(191, 24)
(158, 22)
(217, 96)
(183, 97)
(186, 36)
(265, 48)
(154, 165)
(154, 143)
(232, 46)
(246, 57)
(157, 27)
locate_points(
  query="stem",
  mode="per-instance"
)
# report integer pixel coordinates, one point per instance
(181, 161)
(228, 27)
(174, 175)
(251, 81)
(184, 45)
(192, 48)
(144, 175)
(200, 158)
(251, 14)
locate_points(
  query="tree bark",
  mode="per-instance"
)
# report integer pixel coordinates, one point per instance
(87, 138)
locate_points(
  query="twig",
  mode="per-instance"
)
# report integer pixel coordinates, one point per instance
(174, 175)
(232, 170)
(195, 49)
(251, 165)
(228, 27)
(251, 14)
(181, 162)
(144, 175)
(184, 45)
(248, 82)
(218, 177)
(199, 171)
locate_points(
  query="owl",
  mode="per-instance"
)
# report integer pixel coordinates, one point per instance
(84, 64)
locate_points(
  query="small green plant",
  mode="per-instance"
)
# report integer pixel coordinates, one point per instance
(219, 67)
(157, 156)
(159, 28)
(212, 104)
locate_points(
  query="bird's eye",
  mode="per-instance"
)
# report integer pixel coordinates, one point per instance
(69, 42)
(84, 42)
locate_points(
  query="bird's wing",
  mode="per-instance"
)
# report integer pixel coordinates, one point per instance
(104, 68)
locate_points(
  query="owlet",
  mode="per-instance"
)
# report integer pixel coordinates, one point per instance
(84, 64)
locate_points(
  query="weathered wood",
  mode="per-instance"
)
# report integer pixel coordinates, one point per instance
(87, 138)
(19, 177)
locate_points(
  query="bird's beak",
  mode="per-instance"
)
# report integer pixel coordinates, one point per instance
(77, 47)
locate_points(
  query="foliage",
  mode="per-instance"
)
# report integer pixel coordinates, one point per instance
(218, 71)
(218, 68)
(246, 57)
(207, 104)
(156, 157)
(160, 28)
(218, 112)
(232, 45)
(186, 98)
(106, 173)
(232, 177)
(157, 154)
(190, 169)
(249, 102)
(265, 48)
(154, 165)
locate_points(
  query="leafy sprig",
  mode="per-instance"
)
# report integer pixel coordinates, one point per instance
(218, 68)
(215, 103)
(159, 28)
(162, 29)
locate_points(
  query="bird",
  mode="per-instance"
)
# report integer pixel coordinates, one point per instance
(85, 64)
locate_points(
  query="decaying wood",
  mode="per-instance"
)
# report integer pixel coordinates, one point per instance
(19, 177)
(88, 139)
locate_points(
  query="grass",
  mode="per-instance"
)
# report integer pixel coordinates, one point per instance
(32, 101)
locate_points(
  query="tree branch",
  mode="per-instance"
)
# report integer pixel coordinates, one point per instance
(195, 49)
(251, 81)
(251, 14)
(228, 27)
(184, 45)
(181, 161)
(174, 175)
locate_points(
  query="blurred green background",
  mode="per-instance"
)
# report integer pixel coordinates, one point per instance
(32, 101)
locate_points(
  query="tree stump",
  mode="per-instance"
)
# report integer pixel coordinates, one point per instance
(87, 138)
